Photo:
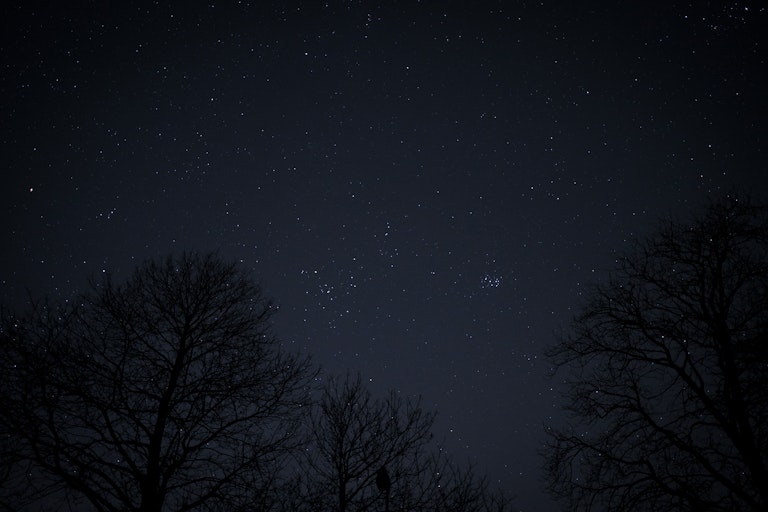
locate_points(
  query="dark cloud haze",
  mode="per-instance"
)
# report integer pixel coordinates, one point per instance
(426, 188)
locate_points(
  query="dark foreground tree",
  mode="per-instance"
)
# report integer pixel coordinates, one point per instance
(369, 454)
(668, 374)
(442, 484)
(355, 435)
(167, 392)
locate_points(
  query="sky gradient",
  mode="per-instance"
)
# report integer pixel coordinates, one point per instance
(425, 188)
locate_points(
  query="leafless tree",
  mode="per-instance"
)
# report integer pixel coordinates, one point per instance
(667, 374)
(166, 392)
(441, 484)
(355, 435)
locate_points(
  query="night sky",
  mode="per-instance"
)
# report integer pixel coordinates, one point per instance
(425, 188)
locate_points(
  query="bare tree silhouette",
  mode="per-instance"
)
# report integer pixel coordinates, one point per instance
(667, 374)
(363, 447)
(166, 392)
(354, 435)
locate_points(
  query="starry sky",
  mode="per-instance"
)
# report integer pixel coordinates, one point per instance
(425, 188)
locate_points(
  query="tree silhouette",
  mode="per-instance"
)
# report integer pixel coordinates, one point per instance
(166, 392)
(441, 484)
(353, 436)
(668, 374)
(366, 450)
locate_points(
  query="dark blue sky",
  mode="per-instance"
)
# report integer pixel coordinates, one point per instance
(424, 187)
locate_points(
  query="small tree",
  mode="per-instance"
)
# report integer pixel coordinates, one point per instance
(443, 485)
(369, 454)
(167, 392)
(355, 435)
(668, 374)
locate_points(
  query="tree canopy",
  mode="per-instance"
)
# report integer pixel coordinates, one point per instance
(371, 454)
(666, 371)
(165, 392)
